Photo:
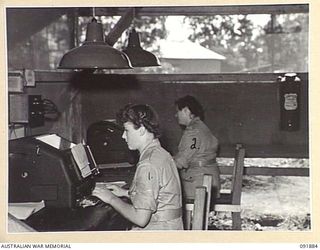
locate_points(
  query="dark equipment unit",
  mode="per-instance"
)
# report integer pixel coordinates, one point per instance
(36, 111)
(47, 170)
(290, 95)
(106, 143)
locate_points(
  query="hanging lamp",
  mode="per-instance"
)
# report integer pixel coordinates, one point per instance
(94, 53)
(137, 55)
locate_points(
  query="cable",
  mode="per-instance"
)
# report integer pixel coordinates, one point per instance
(12, 130)
(50, 110)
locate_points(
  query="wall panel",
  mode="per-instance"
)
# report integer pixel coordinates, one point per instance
(246, 112)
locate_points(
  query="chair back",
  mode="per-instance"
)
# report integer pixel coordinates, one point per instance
(207, 183)
(237, 175)
(231, 202)
(199, 208)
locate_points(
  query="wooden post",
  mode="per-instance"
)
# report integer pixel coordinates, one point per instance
(123, 23)
(199, 207)
(236, 221)
(207, 183)
(188, 219)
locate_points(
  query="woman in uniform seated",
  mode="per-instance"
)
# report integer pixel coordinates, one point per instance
(155, 192)
(197, 149)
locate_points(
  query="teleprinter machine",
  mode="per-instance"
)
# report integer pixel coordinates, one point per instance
(50, 168)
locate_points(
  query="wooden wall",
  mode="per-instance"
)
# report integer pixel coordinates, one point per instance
(246, 112)
(67, 100)
(239, 108)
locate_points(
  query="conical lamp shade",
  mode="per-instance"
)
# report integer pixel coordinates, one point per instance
(94, 53)
(138, 56)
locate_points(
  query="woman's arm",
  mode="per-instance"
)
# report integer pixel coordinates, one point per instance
(139, 217)
(118, 191)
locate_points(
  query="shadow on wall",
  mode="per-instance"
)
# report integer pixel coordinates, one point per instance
(86, 80)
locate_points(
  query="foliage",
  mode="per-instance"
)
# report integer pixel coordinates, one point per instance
(42, 50)
(150, 29)
(230, 35)
(288, 42)
(281, 45)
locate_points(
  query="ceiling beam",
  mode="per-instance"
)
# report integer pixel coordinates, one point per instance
(200, 10)
(123, 24)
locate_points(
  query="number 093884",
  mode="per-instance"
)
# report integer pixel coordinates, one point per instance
(309, 245)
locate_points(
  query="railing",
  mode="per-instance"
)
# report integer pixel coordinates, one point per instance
(268, 171)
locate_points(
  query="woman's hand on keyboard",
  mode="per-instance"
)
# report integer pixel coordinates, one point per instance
(117, 191)
(103, 194)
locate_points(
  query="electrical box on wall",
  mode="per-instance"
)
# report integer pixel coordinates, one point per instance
(26, 109)
(36, 111)
(290, 92)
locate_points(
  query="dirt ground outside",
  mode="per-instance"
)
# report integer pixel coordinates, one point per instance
(270, 203)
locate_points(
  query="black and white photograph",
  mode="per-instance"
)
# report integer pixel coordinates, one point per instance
(137, 118)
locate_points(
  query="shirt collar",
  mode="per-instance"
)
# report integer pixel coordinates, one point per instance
(193, 121)
(155, 142)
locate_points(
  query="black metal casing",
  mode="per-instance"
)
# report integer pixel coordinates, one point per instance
(105, 141)
(39, 171)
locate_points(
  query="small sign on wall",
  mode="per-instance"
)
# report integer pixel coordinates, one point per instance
(15, 82)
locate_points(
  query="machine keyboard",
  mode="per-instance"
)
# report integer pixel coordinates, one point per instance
(89, 201)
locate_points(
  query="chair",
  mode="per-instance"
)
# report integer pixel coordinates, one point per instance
(199, 208)
(197, 211)
(231, 202)
(197, 214)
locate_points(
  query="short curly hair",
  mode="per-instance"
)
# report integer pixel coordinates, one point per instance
(192, 103)
(140, 115)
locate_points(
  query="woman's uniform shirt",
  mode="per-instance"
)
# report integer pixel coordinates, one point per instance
(156, 187)
(196, 156)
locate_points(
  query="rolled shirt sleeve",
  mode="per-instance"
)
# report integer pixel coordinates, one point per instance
(145, 189)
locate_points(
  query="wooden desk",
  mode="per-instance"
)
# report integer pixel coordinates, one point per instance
(98, 218)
